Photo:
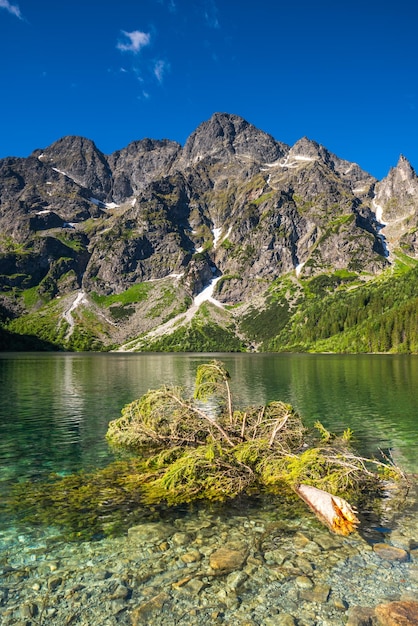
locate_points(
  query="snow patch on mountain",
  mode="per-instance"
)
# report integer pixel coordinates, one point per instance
(379, 213)
(217, 236)
(63, 173)
(380, 224)
(298, 269)
(81, 298)
(107, 205)
(206, 295)
(289, 162)
(360, 190)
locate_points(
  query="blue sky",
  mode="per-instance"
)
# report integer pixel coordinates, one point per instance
(343, 74)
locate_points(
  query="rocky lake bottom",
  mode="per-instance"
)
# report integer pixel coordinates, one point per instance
(242, 566)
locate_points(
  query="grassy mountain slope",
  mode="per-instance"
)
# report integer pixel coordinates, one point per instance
(338, 312)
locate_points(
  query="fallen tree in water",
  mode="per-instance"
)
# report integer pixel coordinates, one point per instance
(193, 453)
(203, 449)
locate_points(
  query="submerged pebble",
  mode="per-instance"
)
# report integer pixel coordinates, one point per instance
(235, 568)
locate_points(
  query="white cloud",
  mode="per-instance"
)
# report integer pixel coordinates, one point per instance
(160, 69)
(12, 8)
(138, 75)
(171, 4)
(210, 12)
(136, 40)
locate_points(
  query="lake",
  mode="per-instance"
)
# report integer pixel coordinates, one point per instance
(55, 408)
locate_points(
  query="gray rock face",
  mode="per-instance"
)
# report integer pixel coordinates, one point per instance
(80, 160)
(141, 162)
(233, 202)
(396, 203)
(400, 184)
(226, 136)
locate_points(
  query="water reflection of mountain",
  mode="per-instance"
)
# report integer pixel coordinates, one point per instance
(55, 407)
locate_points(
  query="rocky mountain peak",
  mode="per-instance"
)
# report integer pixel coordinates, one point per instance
(60, 151)
(404, 170)
(141, 162)
(225, 135)
(80, 159)
(399, 184)
(144, 146)
(396, 201)
(308, 149)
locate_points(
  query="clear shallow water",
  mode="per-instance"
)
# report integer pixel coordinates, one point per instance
(54, 411)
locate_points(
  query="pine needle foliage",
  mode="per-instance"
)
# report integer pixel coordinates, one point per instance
(195, 453)
(212, 380)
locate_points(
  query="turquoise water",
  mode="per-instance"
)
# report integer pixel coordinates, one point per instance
(54, 411)
(55, 408)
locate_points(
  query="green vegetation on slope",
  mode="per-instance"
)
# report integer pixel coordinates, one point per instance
(260, 325)
(379, 316)
(340, 311)
(198, 336)
(13, 342)
(45, 324)
(136, 293)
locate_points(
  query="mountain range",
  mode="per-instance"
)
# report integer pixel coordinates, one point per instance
(234, 241)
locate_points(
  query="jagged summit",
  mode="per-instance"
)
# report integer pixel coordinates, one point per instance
(306, 148)
(404, 169)
(224, 135)
(134, 167)
(401, 182)
(81, 160)
(397, 199)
